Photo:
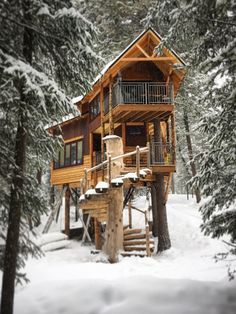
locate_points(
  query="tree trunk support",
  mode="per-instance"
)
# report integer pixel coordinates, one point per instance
(114, 230)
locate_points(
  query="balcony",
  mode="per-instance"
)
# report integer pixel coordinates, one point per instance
(162, 154)
(139, 101)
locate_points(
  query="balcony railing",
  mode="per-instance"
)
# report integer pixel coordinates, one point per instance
(139, 93)
(142, 93)
(161, 154)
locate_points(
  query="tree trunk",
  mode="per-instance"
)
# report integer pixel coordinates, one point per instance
(17, 187)
(154, 209)
(11, 251)
(190, 153)
(160, 224)
(162, 227)
(114, 230)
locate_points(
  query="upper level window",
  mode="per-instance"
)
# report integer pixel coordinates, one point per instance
(94, 107)
(71, 154)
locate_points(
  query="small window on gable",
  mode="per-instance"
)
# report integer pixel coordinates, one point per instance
(94, 107)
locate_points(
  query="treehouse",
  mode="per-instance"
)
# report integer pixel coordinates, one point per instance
(132, 99)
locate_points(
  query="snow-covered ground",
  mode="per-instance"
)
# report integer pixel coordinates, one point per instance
(184, 279)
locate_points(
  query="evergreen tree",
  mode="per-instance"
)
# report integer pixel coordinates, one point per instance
(46, 52)
(210, 27)
(118, 22)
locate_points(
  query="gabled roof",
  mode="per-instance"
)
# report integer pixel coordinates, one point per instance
(112, 62)
(169, 57)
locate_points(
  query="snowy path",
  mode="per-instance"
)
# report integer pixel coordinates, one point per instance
(184, 279)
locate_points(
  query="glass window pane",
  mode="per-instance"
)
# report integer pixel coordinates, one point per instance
(80, 152)
(73, 154)
(67, 159)
(61, 157)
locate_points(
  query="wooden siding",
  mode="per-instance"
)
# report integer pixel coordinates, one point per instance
(70, 174)
(142, 71)
(76, 129)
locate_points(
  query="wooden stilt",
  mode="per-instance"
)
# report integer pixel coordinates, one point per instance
(130, 213)
(98, 240)
(67, 212)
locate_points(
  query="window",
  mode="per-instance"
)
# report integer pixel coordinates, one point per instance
(79, 152)
(94, 107)
(135, 135)
(70, 155)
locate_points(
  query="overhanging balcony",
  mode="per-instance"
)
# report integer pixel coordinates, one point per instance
(140, 101)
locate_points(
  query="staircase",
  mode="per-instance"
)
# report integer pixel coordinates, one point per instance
(137, 242)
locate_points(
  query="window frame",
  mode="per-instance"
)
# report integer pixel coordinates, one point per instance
(94, 105)
(70, 155)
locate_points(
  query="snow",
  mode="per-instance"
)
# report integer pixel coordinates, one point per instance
(117, 181)
(77, 99)
(91, 192)
(102, 185)
(51, 237)
(182, 280)
(110, 137)
(131, 175)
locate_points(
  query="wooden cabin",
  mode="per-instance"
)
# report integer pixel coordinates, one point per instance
(133, 98)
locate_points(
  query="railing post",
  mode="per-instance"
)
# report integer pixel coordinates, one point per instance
(146, 93)
(149, 155)
(109, 169)
(81, 186)
(130, 213)
(147, 236)
(85, 180)
(172, 92)
(137, 161)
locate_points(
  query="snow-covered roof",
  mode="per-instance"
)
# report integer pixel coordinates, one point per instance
(77, 99)
(66, 118)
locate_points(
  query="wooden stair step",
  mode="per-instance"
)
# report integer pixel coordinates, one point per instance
(141, 242)
(134, 236)
(130, 254)
(132, 231)
(135, 248)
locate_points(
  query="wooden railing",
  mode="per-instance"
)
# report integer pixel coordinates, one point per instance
(107, 163)
(142, 93)
(162, 154)
(147, 231)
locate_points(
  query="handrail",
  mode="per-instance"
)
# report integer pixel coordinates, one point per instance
(141, 150)
(148, 251)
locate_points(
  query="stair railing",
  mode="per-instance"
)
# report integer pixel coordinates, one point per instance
(137, 152)
(147, 231)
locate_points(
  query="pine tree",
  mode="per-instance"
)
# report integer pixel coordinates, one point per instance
(46, 53)
(210, 28)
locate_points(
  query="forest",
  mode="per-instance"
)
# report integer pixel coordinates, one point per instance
(50, 53)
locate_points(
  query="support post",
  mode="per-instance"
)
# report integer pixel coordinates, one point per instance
(130, 213)
(97, 229)
(67, 212)
(111, 124)
(114, 230)
(85, 180)
(138, 161)
(162, 224)
(173, 139)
